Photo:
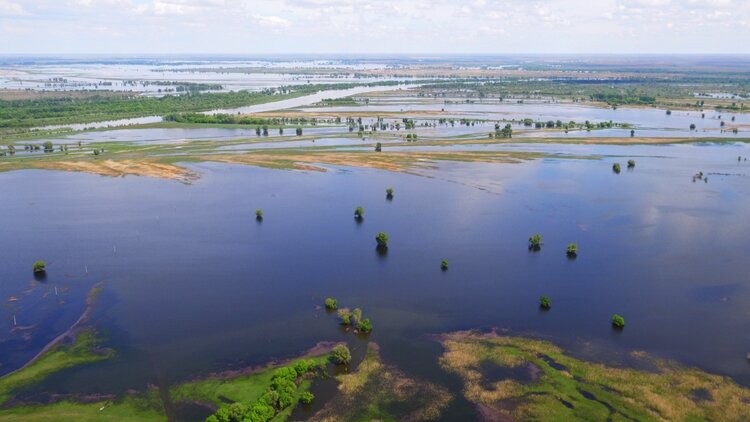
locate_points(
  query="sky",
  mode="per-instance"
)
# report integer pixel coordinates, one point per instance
(374, 26)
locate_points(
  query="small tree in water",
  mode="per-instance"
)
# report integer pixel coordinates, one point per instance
(444, 265)
(39, 267)
(365, 326)
(331, 303)
(572, 250)
(535, 242)
(389, 193)
(618, 321)
(378, 147)
(359, 212)
(544, 302)
(382, 239)
(616, 167)
(340, 355)
(631, 164)
(258, 214)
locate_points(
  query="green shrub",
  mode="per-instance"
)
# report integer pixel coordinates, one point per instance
(365, 325)
(345, 315)
(259, 214)
(331, 303)
(306, 397)
(572, 250)
(359, 212)
(618, 321)
(378, 147)
(340, 355)
(535, 242)
(616, 167)
(382, 239)
(545, 302)
(444, 265)
(389, 193)
(39, 267)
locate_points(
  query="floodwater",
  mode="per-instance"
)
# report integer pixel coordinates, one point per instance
(193, 283)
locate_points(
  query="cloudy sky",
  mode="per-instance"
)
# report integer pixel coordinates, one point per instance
(374, 26)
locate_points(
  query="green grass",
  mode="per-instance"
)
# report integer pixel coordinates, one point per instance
(585, 391)
(83, 351)
(128, 409)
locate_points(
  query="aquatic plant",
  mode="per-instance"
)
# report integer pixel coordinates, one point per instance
(631, 164)
(535, 242)
(382, 239)
(39, 266)
(359, 212)
(444, 265)
(365, 326)
(331, 303)
(341, 355)
(618, 321)
(545, 302)
(259, 214)
(572, 250)
(616, 167)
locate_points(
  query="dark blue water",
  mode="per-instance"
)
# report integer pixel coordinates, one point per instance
(194, 283)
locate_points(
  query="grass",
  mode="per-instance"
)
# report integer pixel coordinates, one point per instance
(564, 388)
(128, 409)
(84, 350)
(376, 391)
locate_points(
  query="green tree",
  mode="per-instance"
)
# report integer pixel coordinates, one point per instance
(444, 265)
(48, 146)
(359, 212)
(346, 316)
(365, 326)
(616, 167)
(389, 193)
(306, 397)
(618, 321)
(331, 303)
(382, 239)
(340, 355)
(631, 164)
(378, 147)
(545, 302)
(535, 242)
(259, 214)
(572, 250)
(39, 267)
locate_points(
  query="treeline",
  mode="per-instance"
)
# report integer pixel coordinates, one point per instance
(618, 98)
(66, 110)
(234, 119)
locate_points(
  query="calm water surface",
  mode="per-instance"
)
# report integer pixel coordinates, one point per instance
(194, 283)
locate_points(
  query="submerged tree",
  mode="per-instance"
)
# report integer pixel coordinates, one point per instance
(572, 250)
(692, 126)
(535, 242)
(382, 239)
(306, 397)
(616, 167)
(299, 131)
(444, 265)
(631, 164)
(389, 193)
(359, 212)
(545, 302)
(364, 326)
(331, 303)
(39, 266)
(48, 146)
(378, 147)
(346, 316)
(618, 321)
(259, 214)
(340, 355)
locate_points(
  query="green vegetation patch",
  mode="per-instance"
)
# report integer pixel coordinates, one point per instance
(84, 349)
(376, 391)
(528, 379)
(129, 409)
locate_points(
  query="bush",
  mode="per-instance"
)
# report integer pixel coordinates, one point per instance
(39, 267)
(306, 397)
(331, 303)
(618, 321)
(444, 264)
(535, 242)
(258, 214)
(631, 164)
(382, 239)
(389, 193)
(365, 325)
(378, 147)
(48, 146)
(616, 167)
(572, 250)
(345, 315)
(340, 355)
(545, 302)
(359, 212)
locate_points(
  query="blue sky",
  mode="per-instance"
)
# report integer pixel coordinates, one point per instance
(371, 26)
